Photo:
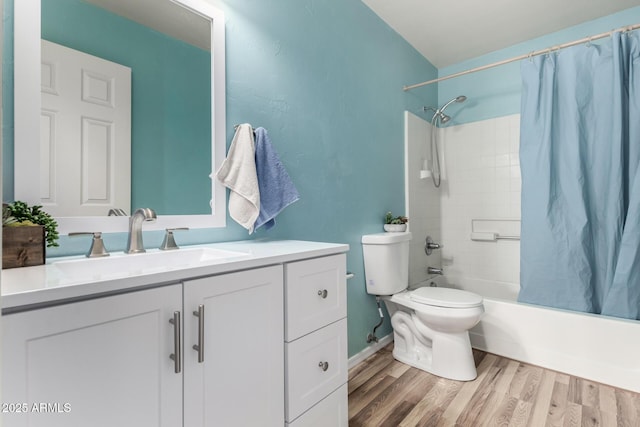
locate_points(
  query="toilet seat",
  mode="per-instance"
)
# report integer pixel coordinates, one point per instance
(445, 297)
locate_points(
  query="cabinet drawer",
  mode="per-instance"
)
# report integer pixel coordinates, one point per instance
(315, 294)
(316, 366)
(332, 411)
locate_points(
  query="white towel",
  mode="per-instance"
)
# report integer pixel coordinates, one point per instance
(238, 173)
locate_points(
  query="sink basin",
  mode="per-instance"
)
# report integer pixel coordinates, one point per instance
(119, 265)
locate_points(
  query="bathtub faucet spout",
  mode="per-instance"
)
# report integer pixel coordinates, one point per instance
(433, 270)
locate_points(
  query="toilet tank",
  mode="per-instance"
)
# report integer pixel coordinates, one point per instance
(386, 262)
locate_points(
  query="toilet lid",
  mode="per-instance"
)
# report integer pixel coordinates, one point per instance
(446, 297)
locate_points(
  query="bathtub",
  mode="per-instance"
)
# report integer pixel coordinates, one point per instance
(598, 348)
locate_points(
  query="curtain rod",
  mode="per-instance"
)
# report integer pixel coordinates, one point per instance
(528, 55)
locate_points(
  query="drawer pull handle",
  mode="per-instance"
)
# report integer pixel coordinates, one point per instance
(176, 356)
(324, 365)
(323, 293)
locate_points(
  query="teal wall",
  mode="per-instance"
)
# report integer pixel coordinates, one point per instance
(496, 92)
(325, 78)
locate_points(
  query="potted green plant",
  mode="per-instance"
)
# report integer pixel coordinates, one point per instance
(25, 230)
(395, 223)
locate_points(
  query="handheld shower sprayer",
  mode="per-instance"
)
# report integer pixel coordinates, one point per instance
(460, 98)
(438, 116)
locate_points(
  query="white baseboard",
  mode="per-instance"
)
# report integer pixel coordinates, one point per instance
(373, 348)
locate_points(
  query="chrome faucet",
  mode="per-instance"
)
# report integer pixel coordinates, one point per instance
(433, 270)
(134, 242)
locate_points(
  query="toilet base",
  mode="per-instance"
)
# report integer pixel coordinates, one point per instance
(445, 355)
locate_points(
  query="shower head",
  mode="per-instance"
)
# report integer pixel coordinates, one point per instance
(438, 113)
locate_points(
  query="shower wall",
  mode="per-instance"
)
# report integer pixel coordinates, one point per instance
(481, 181)
(422, 199)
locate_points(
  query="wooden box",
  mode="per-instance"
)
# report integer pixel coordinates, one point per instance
(23, 246)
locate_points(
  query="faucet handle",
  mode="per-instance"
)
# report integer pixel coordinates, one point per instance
(116, 212)
(430, 245)
(97, 248)
(169, 242)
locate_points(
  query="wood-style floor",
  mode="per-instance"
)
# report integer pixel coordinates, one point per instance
(385, 392)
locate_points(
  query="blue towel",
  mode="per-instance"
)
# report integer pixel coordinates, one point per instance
(276, 188)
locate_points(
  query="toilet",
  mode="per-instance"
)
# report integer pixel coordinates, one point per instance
(430, 324)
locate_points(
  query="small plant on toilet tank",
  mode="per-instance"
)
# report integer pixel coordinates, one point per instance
(395, 223)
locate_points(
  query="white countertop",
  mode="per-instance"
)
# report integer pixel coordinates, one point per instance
(29, 287)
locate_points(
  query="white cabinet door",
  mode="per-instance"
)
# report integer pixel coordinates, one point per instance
(101, 362)
(240, 382)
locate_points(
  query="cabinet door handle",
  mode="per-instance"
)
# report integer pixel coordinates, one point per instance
(323, 293)
(324, 365)
(176, 356)
(200, 346)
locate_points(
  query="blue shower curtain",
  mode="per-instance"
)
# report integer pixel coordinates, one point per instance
(580, 164)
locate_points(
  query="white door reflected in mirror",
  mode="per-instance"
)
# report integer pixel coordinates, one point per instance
(86, 104)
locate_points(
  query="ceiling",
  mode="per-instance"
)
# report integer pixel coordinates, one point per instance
(450, 32)
(164, 16)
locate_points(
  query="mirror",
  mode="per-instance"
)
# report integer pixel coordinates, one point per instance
(166, 143)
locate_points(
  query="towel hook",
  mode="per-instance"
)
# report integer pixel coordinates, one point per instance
(235, 128)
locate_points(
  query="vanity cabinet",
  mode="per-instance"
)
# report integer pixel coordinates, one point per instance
(106, 361)
(256, 340)
(240, 381)
(316, 342)
(101, 362)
